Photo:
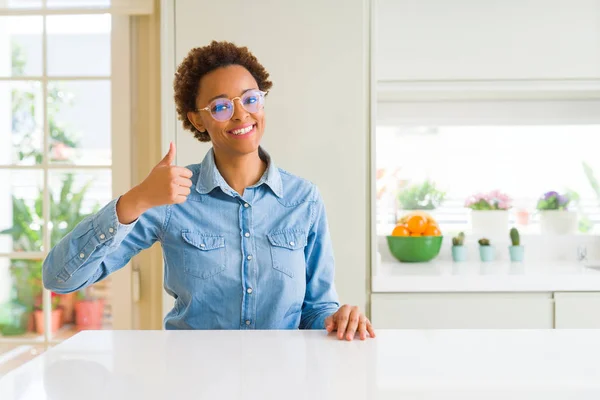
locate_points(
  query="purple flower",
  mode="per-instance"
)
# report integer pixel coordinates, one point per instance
(563, 199)
(551, 194)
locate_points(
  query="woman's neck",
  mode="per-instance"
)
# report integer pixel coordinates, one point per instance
(240, 171)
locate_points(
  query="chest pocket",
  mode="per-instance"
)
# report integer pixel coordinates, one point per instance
(204, 254)
(287, 251)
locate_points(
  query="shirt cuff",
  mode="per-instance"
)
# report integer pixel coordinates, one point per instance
(107, 226)
(106, 231)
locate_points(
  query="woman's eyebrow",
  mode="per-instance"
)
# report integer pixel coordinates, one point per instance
(224, 95)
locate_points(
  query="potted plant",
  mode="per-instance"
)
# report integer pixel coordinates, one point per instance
(516, 250)
(555, 216)
(66, 213)
(459, 251)
(489, 213)
(421, 196)
(56, 314)
(89, 310)
(487, 252)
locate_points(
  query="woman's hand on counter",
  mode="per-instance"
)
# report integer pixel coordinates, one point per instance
(347, 321)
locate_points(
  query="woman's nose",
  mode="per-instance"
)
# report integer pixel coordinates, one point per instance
(239, 112)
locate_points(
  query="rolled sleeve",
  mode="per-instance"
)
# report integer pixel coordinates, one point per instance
(79, 258)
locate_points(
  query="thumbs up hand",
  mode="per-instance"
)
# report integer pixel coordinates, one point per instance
(166, 184)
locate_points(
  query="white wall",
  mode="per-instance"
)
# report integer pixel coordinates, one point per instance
(317, 111)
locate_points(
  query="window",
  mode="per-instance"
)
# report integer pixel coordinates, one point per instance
(64, 73)
(466, 149)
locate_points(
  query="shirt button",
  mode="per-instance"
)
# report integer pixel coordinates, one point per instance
(81, 255)
(102, 236)
(249, 290)
(202, 245)
(246, 205)
(247, 322)
(292, 244)
(111, 230)
(249, 257)
(247, 234)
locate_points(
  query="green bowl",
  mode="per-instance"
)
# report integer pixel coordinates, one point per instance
(415, 248)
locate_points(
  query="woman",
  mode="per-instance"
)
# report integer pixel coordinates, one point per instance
(246, 245)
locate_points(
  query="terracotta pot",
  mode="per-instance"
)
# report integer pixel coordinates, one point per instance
(88, 314)
(523, 217)
(55, 324)
(67, 302)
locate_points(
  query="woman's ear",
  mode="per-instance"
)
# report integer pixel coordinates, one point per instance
(196, 120)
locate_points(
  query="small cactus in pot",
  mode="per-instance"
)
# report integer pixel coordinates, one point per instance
(516, 251)
(487, 252)
(459, 251)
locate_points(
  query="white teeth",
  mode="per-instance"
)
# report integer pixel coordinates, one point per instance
(243, 131)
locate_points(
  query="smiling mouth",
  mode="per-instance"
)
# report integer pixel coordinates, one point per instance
(242, 131)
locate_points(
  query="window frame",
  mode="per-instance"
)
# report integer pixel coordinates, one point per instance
(121, 165)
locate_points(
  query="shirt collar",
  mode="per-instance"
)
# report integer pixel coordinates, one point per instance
(210, 177)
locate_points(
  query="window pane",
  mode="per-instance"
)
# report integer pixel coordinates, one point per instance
(21, 302)
(20, 297)
(21, 4)
(79, 121)
(21, 122)
(521, 161)
(79, 45)
(78, 3)
(21, 222)
(75, 196)
(21, 46)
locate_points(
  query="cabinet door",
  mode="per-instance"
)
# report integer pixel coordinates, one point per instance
(462, 311)
(577, 310)
(432, 40)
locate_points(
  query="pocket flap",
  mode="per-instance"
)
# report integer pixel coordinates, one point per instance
(290, 239)
(203, 241)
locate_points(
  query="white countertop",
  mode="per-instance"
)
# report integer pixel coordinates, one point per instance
(502, 276)
(407, 364)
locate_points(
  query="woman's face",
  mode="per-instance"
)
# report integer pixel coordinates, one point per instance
(242, 133)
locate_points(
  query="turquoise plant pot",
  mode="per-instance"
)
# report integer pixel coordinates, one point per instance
(516, 253)
(459, 253)
(487, 253)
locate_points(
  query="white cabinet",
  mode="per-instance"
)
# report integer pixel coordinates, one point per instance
(462, 311)
(433, 40)
(577, 310)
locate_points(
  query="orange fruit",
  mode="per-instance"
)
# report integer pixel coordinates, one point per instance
(416, 224)
(400, 230)
(432, 230)
(415, 234)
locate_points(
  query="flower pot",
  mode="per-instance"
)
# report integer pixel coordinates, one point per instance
(67, 303)
(55, 324)
(88, 314)
(522, 216)
(558, 222)
(491, 224)
(516, 253)
(459, 253)
(487, 253)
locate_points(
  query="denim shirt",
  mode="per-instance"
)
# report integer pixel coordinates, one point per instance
(263, 260)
